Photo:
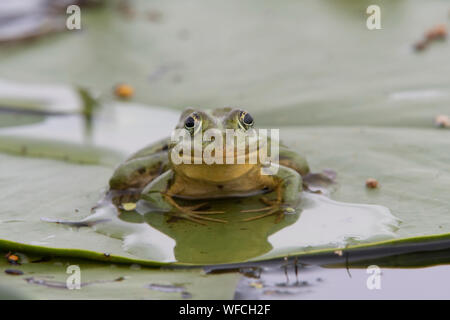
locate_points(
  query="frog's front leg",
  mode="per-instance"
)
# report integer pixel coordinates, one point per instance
(288, 184)
(158, 195)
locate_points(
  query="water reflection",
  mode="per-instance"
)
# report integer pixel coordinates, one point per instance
(318, 222)
(235, 241)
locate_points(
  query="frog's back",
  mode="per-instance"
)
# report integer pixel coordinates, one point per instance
(142, 167)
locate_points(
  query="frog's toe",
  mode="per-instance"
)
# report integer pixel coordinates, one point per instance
(208, 212)
(201, 217)
(272, 210)
(188, 217)
(204, 205)
(258, 209)
(270, 205)
(268, 202)
(273, 207)
(197, 206)
(196, 216)
(190, 213)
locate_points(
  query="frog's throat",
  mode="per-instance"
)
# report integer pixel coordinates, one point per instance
(214, 173)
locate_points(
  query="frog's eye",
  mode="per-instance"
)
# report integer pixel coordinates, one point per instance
(192, 123)
(245, 120)
(189, 123)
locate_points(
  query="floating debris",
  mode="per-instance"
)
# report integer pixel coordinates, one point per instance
(12, 258)
(302, 283)
(256, 284)
(251, 272)
(124, 91)
(438, 32)
(129, 206)
(126, 9)
(154, 15)
(421, 45)
(371, 183)
(442, 121)
(290, 210)
(14, 272)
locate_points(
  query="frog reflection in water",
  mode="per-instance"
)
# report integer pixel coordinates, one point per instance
(151, 176)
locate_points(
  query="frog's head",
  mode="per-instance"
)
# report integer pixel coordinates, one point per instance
(205, 131)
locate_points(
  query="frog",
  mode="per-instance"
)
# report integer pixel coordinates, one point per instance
(151, 175)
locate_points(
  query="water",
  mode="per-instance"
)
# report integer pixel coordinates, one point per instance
(324, 283)
(318, 223)
(125, 127)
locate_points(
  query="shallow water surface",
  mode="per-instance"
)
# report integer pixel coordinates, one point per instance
(319, 222)
(313, 282)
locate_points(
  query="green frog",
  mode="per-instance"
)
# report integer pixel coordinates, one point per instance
(151, 175)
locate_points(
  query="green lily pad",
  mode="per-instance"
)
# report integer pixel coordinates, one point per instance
(310, 68)
(13, 119)
(47, 279)
(319, 226)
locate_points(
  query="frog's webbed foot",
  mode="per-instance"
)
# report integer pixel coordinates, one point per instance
(273, 206)
(192, 213)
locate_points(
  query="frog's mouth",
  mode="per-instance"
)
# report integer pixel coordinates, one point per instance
(210, 154)
(224, 158)
(219, 169)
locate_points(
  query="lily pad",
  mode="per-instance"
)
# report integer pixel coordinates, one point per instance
(44, 278)
(357, 101)
(152, 240)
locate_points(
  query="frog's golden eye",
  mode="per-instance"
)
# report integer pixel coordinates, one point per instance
(192, 123)
(245, 120)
